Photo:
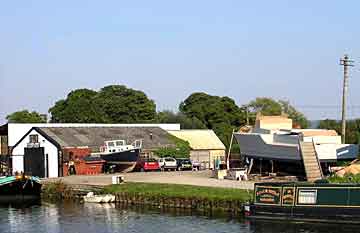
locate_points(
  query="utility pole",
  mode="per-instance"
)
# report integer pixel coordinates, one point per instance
(345, 62)
(247, 115)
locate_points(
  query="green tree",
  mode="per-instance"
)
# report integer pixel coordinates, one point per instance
(270, 107)
(330, 124)
(25, 116)
(218, 113)
(352, 129)
(266, 106)
(184, 121)
(112, 104)
(181, 149)
(120, 104)
(297, 117)
(76, 108)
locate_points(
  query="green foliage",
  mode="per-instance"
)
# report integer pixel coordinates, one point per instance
(181, 149)
(297, 117)
(25, 116)
(347, 178)
(352, 129)
(112, 104)
(212, 110)
(180, 191)
(119, 104)
(218, 113)
(267, 106)
(330, 124)
(184, 121)
(270, 107)
(76, 108)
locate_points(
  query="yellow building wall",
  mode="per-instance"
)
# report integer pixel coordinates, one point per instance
(216, 154)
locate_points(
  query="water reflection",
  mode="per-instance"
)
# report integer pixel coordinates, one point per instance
(260, 226)
(90, 218)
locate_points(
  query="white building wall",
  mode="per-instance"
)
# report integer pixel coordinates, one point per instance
(18, 130)
(49, 149)
(18, 163)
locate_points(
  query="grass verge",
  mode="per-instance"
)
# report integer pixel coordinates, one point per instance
(180, 191)
(347, 178)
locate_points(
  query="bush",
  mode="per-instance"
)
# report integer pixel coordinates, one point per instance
(347, 178)
(181, 149)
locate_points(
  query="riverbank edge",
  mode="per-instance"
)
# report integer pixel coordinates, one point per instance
(157, 195)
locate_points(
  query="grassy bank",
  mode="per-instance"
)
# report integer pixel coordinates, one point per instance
(347, 178)
(180, 191)
(59, 190)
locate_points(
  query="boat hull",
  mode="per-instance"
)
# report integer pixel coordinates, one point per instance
(123, 161)
(19, 189)
(305, 214)
(254, 146)
(302, 201)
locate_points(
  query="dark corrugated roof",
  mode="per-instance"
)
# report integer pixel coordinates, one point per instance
(94, 137)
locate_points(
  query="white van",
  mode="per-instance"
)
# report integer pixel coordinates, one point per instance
(167, 163)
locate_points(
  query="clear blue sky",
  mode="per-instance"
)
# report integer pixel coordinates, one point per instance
(169, 49)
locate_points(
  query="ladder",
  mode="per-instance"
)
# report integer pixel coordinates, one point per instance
(311, 162)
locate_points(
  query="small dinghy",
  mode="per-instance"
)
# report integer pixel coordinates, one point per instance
(105, 198)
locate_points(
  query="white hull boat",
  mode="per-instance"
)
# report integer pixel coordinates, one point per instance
(105, 198)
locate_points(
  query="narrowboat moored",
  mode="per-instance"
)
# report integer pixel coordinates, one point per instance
(319, 202)
(19, 188)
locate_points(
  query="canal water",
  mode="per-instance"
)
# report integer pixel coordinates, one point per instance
(70, 217)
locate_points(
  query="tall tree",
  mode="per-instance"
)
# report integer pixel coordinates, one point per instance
(120, 104)
(266, 106)
(25, 116)
(352, 129)
(76, 108)
(297, 117)
(178, 117)
(112, 104)
(218, 113)
(270, 107)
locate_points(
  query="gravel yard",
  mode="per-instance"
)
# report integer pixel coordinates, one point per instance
(199, 178)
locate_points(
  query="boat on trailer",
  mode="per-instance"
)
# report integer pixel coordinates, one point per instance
(119, 156)
(302, 201)
(19, 188)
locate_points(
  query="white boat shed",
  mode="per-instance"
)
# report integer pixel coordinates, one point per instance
(27, 141)
(39, 152)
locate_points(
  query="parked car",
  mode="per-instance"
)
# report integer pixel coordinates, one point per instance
(147, 164)
(184, 164)
(168, 163)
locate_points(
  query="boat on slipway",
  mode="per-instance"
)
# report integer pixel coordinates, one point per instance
(119, 156)
(19, 188)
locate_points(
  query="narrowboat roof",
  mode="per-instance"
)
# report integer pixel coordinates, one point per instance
(307, 184)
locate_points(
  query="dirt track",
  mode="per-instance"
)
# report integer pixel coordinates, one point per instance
(200, 178)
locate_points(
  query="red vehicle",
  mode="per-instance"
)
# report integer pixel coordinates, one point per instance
(147, 164)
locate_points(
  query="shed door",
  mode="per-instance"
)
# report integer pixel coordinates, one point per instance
(34, 162)
(202, 156)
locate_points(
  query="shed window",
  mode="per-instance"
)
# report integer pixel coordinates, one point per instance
(34, 138)
(307, 197)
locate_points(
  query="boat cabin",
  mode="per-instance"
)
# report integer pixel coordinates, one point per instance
(114, 146)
